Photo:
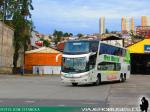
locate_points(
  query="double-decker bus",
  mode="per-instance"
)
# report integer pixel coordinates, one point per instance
(92, 61)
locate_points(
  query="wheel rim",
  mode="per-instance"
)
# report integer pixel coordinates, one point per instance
(121, 78)
(97, 81)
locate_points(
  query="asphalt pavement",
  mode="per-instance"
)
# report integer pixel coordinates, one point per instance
(50, 91)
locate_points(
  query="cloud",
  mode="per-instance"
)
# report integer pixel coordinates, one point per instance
(90, 8)
(68, 13)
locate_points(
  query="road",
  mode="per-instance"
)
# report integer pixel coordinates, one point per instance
(49, 91)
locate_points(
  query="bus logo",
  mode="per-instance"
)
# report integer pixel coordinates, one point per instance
(111, 58)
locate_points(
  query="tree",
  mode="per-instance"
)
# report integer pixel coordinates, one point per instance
(1, 9)
(22, 29)
(45, 42)
(9, 7)
(66, 34)
(26, 6)
(70, 34)
(22, 26)
(136, 36)
(14, 13)
(80, 35)
(57, 35)
(50, 37)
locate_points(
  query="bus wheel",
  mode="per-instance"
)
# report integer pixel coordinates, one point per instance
(98, 80)
(125, 77)
(74, 84)
(122, 78)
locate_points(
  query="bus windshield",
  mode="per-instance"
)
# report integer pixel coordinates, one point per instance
(74, 65)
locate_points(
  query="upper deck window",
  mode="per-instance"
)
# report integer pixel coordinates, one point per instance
(80, 47)
(112, 50)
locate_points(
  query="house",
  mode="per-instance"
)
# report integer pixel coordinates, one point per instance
(44, 60)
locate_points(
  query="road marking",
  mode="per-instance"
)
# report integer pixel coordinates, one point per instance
(29, 101)
(61, 105)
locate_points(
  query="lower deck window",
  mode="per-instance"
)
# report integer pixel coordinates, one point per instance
(109, 66)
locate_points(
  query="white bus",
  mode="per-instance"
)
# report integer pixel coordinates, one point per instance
(92, 61)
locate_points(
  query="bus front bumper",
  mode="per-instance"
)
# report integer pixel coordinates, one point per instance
(80, 80)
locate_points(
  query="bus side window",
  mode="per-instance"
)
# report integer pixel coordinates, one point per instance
(92, 61)
(118, 66)
(109, 66)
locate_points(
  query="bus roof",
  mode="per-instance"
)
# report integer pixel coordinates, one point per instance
(83, 41)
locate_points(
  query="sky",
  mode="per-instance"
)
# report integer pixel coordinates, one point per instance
(82, 16)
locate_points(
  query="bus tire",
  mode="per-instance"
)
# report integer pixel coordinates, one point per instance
(74, 84)
(122, 78)
(98, 80)
(125, 77)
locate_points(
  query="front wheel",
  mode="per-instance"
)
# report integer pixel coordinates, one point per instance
(74, 84)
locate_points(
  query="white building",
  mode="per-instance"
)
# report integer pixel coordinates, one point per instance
(102, 25)
(145, 21)
(34, 39)
(127, 24)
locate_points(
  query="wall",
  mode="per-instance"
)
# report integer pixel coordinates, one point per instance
(139, 47)
(46, 69)
(41, 59)
(6, 48)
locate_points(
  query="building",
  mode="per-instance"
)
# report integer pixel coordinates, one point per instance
(60, 46)
(127, 40)
(36, 41)
(140, 53)
(127, 24)
(6, 48)
(43, 61)
(144, 29)
(145, 21)
(102, 25)
(113, 40)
